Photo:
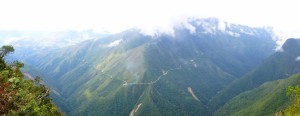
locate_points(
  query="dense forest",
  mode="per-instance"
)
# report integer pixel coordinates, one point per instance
(20, 96)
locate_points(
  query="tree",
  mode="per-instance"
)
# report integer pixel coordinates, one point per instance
(294, 108)
(19, 96)
(4, 51)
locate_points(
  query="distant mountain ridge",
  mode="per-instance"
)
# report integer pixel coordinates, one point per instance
(30, 42)
(280, 65)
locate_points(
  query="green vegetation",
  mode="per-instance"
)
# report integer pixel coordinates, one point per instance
(19, 96)
(294, 108)
(264, 100)
(89, 77)
(181, 75)
(280, 65)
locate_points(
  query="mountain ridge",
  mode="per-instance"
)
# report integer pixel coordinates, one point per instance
(280, 65)
(122, 71)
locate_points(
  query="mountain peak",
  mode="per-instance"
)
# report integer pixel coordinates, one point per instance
(292, 45)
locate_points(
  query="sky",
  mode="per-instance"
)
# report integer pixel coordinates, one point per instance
(118, 15)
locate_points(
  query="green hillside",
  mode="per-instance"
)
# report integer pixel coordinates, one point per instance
(131, 73)
(278, 66)
(265, 100)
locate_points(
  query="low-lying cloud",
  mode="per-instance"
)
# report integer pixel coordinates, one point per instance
(298, 58)
(115, 43)
(46, 39)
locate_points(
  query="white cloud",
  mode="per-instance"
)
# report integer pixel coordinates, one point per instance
(115, 43)
(247, 32)
(279, 49)
(190, 27)
(222, 26)
(10, 40)
(151, 15)
(208, 28)
(46, 39)
(298, 58)
(233, 34)
(279, 38)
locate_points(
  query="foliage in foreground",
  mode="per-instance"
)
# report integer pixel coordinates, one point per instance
(294, 108)
(19, 96)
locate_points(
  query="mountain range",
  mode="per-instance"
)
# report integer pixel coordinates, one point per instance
(205, 67)
(30, 42)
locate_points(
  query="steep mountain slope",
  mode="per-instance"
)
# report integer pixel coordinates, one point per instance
(265, 100)
(131, 73)
(280, 65)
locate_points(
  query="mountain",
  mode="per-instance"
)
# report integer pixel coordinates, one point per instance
(40, 39)
(280, 65)
(264, 100)
(30, 42)
(131, 73)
